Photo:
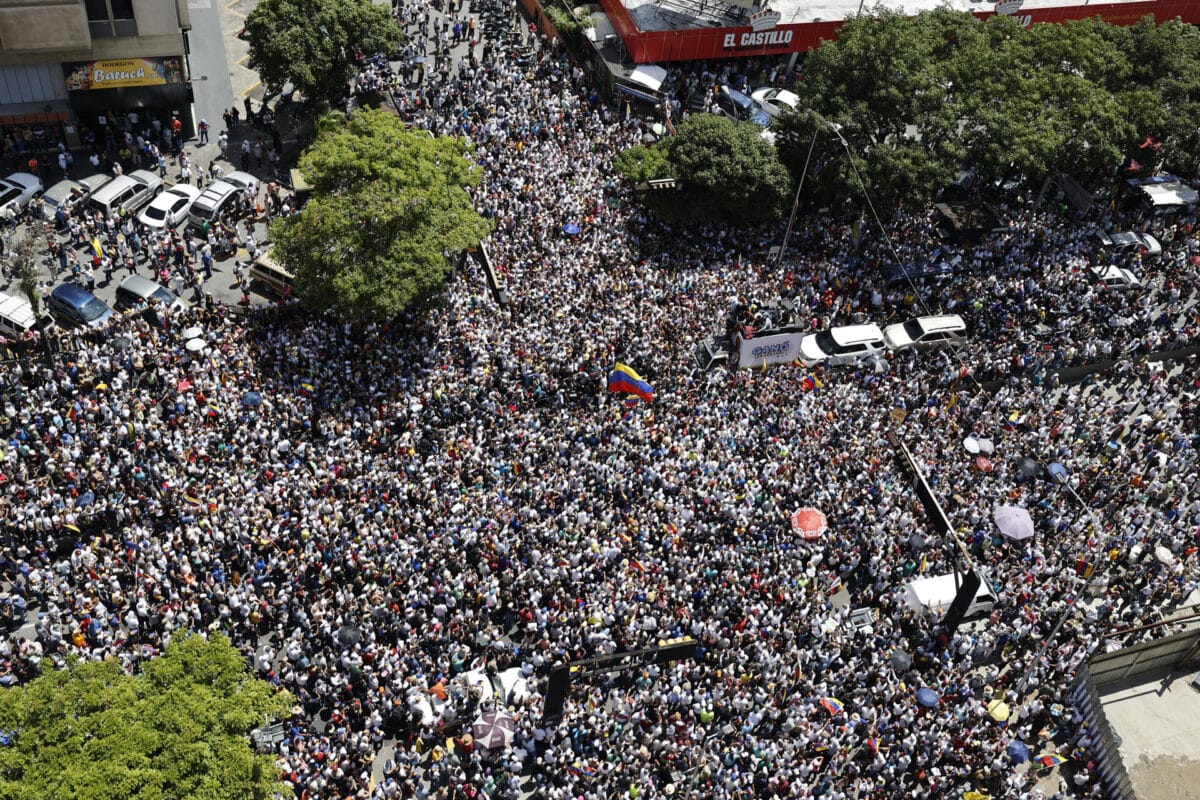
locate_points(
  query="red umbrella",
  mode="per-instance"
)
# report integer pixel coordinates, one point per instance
(983, 464)
(809, 523)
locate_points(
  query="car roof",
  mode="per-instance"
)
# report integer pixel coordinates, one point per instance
(72, 294)
(182, 189)
(17, 308)
(850, 334)
(24, 179)
(145, 176)
(939, 322)
(239, 178)
(62, 190)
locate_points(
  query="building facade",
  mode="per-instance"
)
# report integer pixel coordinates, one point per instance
(80, 71)
(658, 31)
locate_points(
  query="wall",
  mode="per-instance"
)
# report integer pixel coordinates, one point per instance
(47, 25)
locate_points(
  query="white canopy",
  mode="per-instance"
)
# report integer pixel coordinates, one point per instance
(649, 75)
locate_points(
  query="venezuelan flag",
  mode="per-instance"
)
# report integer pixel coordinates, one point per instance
(1051, 759)
(623, 380)
(833, 705)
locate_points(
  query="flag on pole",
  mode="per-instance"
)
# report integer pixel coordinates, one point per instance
(624, 380)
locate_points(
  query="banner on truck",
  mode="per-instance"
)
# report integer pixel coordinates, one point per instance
(778, 348)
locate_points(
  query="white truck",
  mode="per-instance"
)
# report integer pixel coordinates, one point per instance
(935, 594)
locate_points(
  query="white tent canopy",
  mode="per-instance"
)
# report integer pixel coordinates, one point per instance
(649, 75)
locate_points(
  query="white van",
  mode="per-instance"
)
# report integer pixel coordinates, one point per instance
(935, 594)
(16, 316)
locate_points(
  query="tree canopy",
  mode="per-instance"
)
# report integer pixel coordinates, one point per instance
(388, 209)
(178, 730)
(724, 170)
(919, 98)
(309, 43)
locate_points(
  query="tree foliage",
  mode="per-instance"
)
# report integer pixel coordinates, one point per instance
(177, 730)
(724, 171)
(919, 98)
(309, 43)
(388, 208)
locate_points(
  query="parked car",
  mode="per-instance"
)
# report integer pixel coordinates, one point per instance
(735, 105)
(74, 306)
(126, 193)
(844, 345)
(775, 101)
(240, 179)
(170, 208)
(1113, 277)
(925, 332)
(1128, 243)
(71, 191)
(17, 190)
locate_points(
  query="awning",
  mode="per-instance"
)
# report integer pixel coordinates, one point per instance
(649, 75)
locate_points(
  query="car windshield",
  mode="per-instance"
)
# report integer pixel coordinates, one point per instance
(93, 309)
(155, 213)
(913, 329)
(9, 195)
(164, 296)
(826, 343)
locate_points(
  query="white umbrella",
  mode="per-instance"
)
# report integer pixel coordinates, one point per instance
(493, 730)
(1014, 522)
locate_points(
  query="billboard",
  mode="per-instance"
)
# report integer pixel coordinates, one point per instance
(778, 348)
(117, 73)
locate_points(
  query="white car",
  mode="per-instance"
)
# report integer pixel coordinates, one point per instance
(240, 179)
(1117, 278)
(17, 190)
(170, 208)
(775, 101)
(845, 345)
(1129, 242)
(925, 332)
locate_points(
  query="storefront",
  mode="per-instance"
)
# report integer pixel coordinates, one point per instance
(651, 34)
(105, 95)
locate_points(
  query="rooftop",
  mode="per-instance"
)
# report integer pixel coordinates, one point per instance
(658, 15)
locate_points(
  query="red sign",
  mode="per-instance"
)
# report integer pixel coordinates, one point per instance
(693, 44)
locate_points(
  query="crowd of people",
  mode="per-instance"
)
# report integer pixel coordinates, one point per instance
(376, 513)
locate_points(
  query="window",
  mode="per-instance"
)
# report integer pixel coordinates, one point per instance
(109, 18)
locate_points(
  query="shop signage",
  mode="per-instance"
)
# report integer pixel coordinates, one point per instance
(1009, 8)
(116, 73)
(762, 32)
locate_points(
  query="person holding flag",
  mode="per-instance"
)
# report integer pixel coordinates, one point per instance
(624, 380)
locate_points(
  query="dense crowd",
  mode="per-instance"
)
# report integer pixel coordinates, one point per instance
(376, 513)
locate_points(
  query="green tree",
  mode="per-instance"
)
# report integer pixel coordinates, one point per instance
(388, 209)
(310, 43)
(887, 82)
(177, 730)
(1165, 61)
(724, 171)
(640, 164)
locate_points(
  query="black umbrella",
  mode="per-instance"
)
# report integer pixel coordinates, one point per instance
(900, 660)
(349, 635)
(1028, 467)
